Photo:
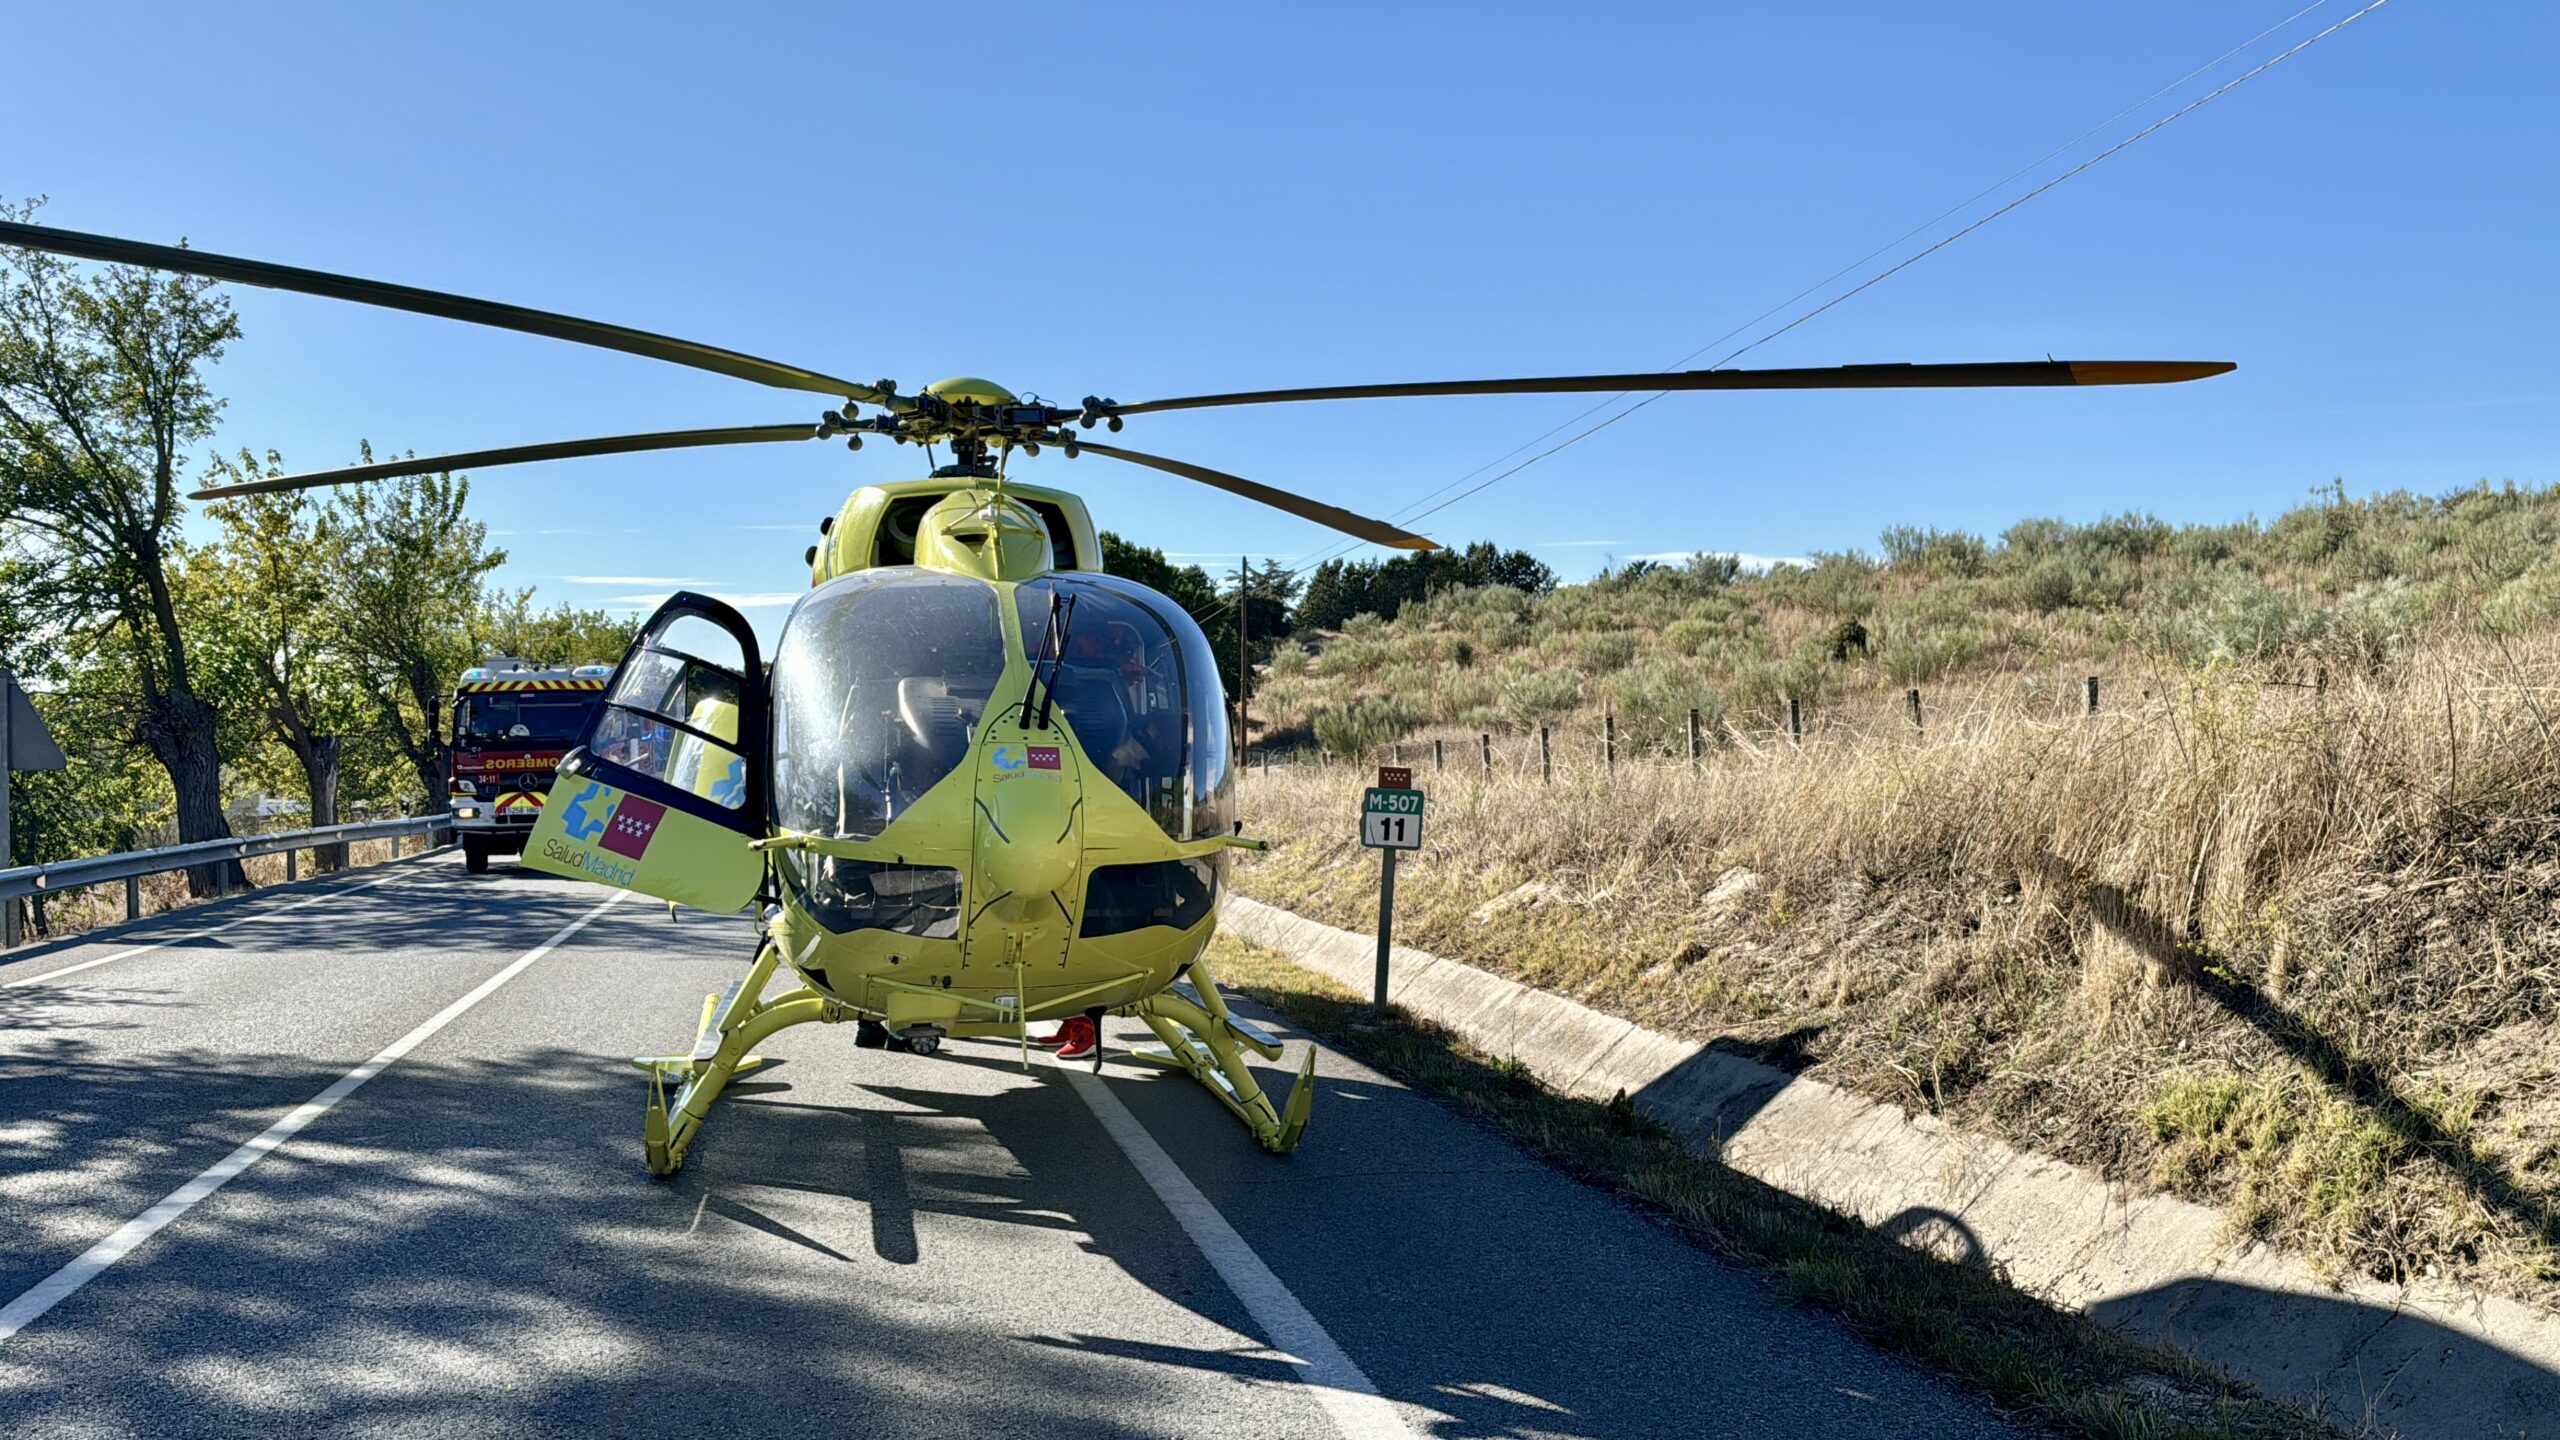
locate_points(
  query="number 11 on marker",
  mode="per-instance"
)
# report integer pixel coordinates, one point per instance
(1391, 819)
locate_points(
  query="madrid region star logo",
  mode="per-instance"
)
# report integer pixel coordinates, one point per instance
(634, 821)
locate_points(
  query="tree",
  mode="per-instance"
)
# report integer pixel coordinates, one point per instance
(101, 394)
(1268, 591)
(1338, 591)
(1187, 584)
(1329, 600)
(1259, 595)
(267, 633)
(403, 600)
(507, 624)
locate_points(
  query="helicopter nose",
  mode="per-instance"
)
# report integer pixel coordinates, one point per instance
(1026, 846)
(1031, 867)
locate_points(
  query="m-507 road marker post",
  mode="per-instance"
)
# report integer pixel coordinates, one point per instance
(1390, 820)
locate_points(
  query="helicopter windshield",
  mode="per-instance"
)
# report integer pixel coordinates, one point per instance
(1142, 694)
(878, 688)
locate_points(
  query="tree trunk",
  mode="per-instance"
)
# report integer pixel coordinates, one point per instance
(179, 730)
(435, 757)
(319, 757)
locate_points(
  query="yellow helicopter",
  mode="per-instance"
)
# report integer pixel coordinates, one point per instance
(982, 783)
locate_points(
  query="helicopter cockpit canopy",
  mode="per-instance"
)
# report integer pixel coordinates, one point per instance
(884, 676)
(1141, 691)
(878, 689)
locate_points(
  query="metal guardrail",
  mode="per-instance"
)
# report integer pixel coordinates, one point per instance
(132, 865)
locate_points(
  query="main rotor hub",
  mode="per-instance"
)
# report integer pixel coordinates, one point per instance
(976, 417)
(970, 390)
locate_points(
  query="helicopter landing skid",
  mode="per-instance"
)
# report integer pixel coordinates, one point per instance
(723, 1044)
(1207, 1043)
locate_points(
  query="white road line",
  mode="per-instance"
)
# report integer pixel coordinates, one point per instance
(262, 914)
(55, 1288)
(1345, 1391)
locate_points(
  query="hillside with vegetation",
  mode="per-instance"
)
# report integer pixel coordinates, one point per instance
(2273, 927)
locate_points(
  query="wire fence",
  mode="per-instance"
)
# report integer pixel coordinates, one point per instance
(1542, 753)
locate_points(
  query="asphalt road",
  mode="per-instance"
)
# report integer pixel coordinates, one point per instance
(861, 1242)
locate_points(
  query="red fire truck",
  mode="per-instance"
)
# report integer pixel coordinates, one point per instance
(513, 721)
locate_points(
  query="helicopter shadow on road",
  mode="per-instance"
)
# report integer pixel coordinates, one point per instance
(1487, 1288)
(906, 1150)
(471, 1245)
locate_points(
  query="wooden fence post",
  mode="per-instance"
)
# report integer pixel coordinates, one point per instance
(1546, 759)
(1795, 720)
(1486, 741)
(2090, 696)
(1399, 752)
(1609, 740)
(1695, 738)
(1439, 755)
(1912, 698)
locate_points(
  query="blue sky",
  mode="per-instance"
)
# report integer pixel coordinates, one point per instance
(1160, 200)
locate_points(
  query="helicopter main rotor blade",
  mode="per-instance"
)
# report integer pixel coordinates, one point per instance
(1829, 377)
(1376, 532)
(517, 455)
(433, 302)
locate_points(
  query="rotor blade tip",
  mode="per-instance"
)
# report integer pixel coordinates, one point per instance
(2146, 372)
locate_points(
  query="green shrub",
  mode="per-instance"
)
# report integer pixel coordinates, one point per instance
(1954, 553)
(1531, 695)
(1914, 652)
(1363, 723)
(1609, 650)
(1687, 636)
(1652, 699)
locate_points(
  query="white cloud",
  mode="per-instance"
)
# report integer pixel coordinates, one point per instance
(756, 600)
(671, 582)
(1749, 561)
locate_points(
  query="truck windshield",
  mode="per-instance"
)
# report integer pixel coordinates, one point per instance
(554, 721)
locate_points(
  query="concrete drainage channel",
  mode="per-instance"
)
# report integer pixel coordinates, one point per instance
(2431, 1361)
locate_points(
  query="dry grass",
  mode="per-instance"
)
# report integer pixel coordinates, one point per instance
(2288, 949)
(2060, 1371)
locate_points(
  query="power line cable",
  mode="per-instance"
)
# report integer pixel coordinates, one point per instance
(1408, 516)
(1966, 203)
(1889, 272)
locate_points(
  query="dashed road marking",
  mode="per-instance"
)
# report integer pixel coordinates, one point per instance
(18, 1314)
(1345, 1391)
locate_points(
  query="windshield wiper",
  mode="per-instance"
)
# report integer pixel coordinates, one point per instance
(1053, 654)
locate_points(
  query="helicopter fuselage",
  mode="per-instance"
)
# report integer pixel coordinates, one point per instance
(994, 788)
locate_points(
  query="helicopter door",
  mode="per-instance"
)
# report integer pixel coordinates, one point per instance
(668, 785)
